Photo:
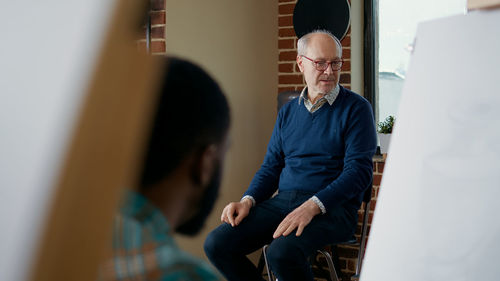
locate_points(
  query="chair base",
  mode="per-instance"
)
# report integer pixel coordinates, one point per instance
(331, 267)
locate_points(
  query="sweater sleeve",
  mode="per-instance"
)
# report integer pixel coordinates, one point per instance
(265, 182)
(360, 145)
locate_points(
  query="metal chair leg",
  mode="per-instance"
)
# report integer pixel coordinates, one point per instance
(328, 257)
(331, 267)
(270, 275)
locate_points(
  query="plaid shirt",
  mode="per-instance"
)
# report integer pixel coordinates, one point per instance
(143, 248)
(328, 97)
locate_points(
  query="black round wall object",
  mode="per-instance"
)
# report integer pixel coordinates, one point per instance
(332, 15)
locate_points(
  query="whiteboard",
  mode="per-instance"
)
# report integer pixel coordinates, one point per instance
(47, 53)
(436, 215)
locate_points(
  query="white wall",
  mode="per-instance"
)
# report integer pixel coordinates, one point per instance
(236, 41)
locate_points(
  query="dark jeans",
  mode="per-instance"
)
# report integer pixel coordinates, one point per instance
(227, 246)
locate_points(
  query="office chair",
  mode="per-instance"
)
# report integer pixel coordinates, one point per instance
(283, 98)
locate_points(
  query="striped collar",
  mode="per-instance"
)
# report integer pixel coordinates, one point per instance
(329, 97)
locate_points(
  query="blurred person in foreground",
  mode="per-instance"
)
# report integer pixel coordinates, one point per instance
(319, 159)
(179, 182)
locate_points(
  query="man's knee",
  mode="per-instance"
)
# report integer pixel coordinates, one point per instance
(219, 242)
(283, 253)
(213, 244)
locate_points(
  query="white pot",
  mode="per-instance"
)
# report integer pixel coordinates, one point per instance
(384, 140)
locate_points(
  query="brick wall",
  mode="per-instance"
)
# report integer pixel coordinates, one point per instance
(289, 78)
(289, 75)
(158, 18)
(348, 254)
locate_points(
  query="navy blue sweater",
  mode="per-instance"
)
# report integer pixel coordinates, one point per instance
(328, 152)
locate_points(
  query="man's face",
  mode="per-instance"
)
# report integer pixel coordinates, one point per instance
(321, 47)
(203, 206)
(203, 203)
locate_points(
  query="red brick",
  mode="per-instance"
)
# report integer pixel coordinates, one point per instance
(377, 179)
(284, 89)
(351, 265)
(343, 263)
(360, 217)
(347, 86)
(157, 5)
(297, 69)
(286, 44)
(346, 41)
(372, 205)
(358, 229)
(157, 17)
(285, 21)
(346, 66)
(345, 78)
(158, 32)
(286, 9)
(290, 79)
(286, 32)
(158, 47)
(345, 252)
(285, 67)
(288, 56)
(374, 167)
(346, 53)
(380, 167)
(348, 33)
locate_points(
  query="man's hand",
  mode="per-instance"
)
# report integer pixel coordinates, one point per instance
(235, 212)
(298, 218)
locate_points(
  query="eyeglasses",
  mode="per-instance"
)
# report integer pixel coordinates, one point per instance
(322, 65)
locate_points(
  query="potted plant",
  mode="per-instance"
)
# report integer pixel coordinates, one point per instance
(384, 133)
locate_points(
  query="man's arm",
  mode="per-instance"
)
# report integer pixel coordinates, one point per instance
(298, 218)
(266, 180)
(235, 212)
(264, 183)
(360, 146)
(361, 143)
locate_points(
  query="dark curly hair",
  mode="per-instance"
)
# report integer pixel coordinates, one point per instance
(191, 113)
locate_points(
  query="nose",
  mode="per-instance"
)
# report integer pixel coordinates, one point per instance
(329, 69)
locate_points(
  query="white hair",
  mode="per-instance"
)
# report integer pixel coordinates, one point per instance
(302, 42)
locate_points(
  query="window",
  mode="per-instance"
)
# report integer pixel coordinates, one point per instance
(393, 26)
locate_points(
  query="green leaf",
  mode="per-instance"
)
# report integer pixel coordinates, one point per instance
(385, 127)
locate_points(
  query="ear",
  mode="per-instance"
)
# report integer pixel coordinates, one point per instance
(300, 63)
(208, 160)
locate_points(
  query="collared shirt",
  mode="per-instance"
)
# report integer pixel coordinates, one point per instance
(329, 97)
(328, 153)
(143, 248)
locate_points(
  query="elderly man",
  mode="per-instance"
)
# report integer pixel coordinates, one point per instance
(319, 159)
(178, 184)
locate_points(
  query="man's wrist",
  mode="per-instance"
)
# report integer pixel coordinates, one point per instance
(247, 199)
(318, 204)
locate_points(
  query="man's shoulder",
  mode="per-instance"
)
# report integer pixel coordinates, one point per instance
(351, 96)
(352, 99)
